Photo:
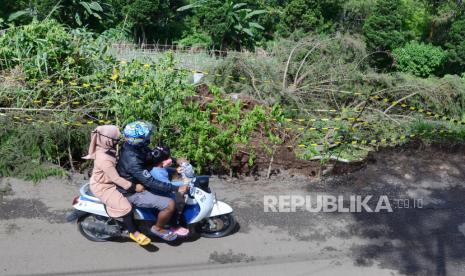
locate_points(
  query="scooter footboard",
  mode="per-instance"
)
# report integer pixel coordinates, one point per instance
(220, 208)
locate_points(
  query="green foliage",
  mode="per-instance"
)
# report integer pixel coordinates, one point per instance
(441, 14)
(37, 173)
(310, 15)
(151, 20)
(34, 152)
(355, 12)
(11, 10)
(231, 24)
(456, 134)
(302, 73)
(39, 47)
(209, 145)
(78, 13)
(157, 92)
(118, 34)
(70, 12)
(197, 39)
(417, 17)
(386, 28)
(165, 98)
(388, 24)
(47, 48)
(159, 98)
(337, 72)
(419, 59)
(455, 45)
(214, 143)
(445, 95)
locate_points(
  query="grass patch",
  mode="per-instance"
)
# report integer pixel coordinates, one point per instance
(39, 172)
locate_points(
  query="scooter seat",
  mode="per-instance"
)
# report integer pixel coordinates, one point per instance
(86, 192)
(89, 193)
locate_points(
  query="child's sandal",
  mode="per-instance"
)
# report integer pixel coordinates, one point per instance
(180, 231)
(167, 236)
(141, 239)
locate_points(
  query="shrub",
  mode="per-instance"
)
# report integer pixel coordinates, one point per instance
(46, 48)
(149, 92)
(128, 91)
(35, 151)
(164, 97)
(230, 25)
(197, 39)
(419, 59)
(386, 28)
(455, 45)
(355, 12)
(309, 15)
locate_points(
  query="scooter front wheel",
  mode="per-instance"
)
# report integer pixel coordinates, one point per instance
(217, 227)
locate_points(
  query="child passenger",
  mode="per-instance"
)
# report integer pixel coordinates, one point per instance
(162, 171)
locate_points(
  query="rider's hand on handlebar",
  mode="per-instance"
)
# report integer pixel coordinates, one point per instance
(139, 188)
(183, 189)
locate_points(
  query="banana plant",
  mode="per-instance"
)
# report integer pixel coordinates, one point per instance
(79, 10)
(242, 16)
(239, 20)
(86, 10)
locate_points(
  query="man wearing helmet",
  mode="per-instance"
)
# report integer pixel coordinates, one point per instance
(132, 166)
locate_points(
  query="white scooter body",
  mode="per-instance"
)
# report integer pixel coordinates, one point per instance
(199, 205)
(209, 206)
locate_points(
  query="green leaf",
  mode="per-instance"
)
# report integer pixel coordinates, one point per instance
(78, 19)
(239, 5)
(17, 14)
(256, 25)
(191, 6)
(248, 31)
(96, 6)
(252, 14)
(187, 7)
(86, 7)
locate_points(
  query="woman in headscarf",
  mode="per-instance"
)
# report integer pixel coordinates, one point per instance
(105, 178)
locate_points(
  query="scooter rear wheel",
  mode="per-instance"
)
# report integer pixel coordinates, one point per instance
(217, 227)
(89, 233)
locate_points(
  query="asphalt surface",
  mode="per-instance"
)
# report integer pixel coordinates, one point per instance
(36, 240)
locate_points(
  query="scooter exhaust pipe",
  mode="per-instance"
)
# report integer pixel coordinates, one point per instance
(101, 228)
(74, 215)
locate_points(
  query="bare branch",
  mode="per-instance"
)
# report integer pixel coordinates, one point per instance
(384, 114)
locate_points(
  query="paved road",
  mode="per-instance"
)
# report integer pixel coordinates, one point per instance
(35, 240)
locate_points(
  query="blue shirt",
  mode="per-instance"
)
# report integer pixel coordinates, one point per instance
(164, 175)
